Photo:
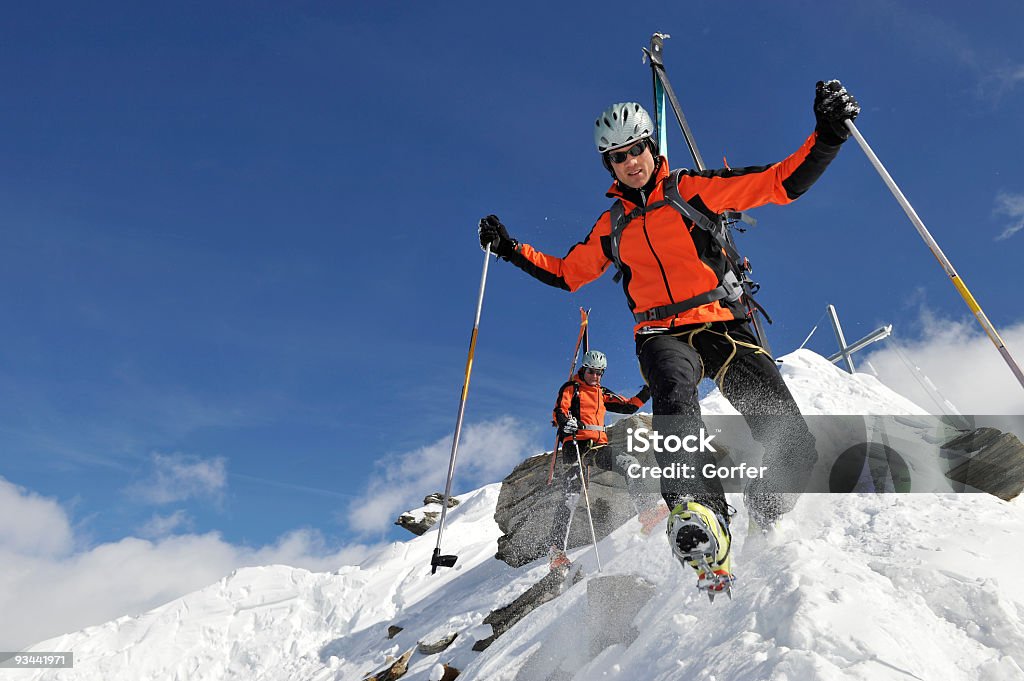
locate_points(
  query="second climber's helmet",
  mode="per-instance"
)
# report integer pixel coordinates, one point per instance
(595, 359)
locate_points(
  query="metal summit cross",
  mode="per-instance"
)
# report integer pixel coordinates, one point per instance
(846, 351)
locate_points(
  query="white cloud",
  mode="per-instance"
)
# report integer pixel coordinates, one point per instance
(995, 72)
(1012, 206)
(960, 360)
(55, 589)
(1013, 74)
(163, 525)
(1001, 81)
(32, 525)
(487, 452)
(177, 477)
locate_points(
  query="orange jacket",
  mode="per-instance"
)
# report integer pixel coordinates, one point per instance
(665, 258)
(588, 404)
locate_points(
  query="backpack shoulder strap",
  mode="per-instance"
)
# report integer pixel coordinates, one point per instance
(676, 200)
(619, 220)
(716, 230)
(574, 401)
(607, 393)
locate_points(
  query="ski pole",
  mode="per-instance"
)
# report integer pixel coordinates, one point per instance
(583, 338)
(958, 283)
(586, 495)
(449, 560)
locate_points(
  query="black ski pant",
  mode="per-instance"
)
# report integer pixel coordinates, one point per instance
(603, 457)
(674, 363)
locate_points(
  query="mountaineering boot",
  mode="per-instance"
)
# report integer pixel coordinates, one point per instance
(557, 560)
(700, 538)
(650, 517)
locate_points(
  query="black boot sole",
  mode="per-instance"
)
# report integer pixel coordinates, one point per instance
(690, 537)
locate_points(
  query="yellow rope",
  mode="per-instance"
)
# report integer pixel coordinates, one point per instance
(720, 376)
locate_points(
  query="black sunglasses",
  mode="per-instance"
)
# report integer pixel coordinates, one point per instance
(621, 156)
(599, 372)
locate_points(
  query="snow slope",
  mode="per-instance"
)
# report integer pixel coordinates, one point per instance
(859, 587)
(853, 587)
(822, 388)
(279, 622)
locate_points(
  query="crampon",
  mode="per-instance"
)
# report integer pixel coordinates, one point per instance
(701, 539)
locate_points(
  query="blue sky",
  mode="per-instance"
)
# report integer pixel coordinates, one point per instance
(238, 261)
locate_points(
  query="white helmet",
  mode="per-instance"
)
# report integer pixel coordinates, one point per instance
(621, 124)
(595, 359)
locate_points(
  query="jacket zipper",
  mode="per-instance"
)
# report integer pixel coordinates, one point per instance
(664, 276)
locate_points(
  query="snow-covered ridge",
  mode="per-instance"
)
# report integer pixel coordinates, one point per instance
(862, 587)
(854, 587)
(822, 388)
(278, 621)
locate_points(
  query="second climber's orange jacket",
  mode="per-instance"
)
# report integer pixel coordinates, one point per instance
(588, 404)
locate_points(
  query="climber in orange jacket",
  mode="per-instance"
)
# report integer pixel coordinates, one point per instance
(690, 320)
(579, 415)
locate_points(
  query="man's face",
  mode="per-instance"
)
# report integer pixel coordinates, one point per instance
(633, 171)
(592, 376)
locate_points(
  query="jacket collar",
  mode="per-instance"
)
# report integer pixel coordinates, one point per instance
(661, 172)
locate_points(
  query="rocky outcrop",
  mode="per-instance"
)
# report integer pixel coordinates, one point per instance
(419, 520)
(444, 672)
(527, 502)
(418, 523)
(432, 645)
(504, 618)
(438, 499)
(395, 670)
(996, 463)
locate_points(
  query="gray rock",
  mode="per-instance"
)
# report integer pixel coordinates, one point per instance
(420, 520)
(438, 498)
(526, 503)
(996, 463)
(426, 647)
(395, 670)
(504, 618)
(419, 525)
(450, 673)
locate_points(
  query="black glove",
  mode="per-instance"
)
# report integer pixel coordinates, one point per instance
(494, 233)
(644, 394)
(833, 105)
